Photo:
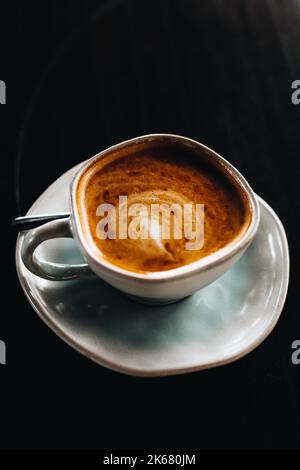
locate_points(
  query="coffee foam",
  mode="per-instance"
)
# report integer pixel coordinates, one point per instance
(160, 176)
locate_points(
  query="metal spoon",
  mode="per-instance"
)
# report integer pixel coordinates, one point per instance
(28, 222)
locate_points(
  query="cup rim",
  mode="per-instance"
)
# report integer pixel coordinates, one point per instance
(201, 265)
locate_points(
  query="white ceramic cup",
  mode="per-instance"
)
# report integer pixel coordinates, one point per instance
(155, 287)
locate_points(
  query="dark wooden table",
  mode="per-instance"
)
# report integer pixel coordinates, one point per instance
(82, 75)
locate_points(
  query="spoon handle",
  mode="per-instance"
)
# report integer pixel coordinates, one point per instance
(28, 222)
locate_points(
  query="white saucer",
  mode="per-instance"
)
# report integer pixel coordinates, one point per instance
(217, 325)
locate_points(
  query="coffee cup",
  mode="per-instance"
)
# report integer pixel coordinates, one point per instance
(166, 276)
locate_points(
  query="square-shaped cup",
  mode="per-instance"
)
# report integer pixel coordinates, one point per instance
(153, 287)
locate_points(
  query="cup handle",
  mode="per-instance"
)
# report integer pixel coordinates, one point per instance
(45, 269)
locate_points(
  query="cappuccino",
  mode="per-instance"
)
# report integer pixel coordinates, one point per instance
(180, 207)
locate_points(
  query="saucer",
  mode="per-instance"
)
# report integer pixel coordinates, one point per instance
(217, 325)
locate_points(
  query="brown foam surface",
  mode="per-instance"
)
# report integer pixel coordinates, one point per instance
(160, 176)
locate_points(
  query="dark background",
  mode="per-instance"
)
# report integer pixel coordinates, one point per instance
(83, 75)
